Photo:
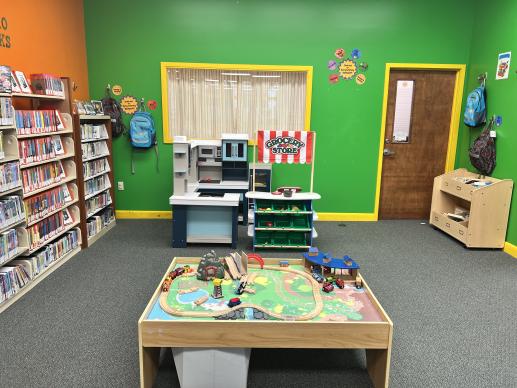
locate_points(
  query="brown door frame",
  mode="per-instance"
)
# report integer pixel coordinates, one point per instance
(455, 115)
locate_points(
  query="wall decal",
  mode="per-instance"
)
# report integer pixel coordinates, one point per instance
(360, 79)
(503, 65)
(339, 53)
(129, 104)
(347, 68)
(116, 90)
(152, 104)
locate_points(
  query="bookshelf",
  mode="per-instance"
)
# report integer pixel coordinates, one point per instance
(95, 179)
(471, 208)
(38, 170)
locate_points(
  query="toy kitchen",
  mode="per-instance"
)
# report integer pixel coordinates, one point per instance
(210, 180)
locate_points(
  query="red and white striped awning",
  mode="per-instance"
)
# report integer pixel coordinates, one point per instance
(285, 147)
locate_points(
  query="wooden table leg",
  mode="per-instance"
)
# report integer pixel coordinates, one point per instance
(378, 365)
(149, 362)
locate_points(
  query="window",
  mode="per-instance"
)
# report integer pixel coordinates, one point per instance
(202, 101)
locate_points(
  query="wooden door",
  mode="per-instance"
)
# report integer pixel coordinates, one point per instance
(409, 167)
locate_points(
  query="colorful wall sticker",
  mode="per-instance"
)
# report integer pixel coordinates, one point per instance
(503, 65)
(347, 68)
(333, 78)
(116, 90)
(129, 104)
(339, 53)
(152, 104)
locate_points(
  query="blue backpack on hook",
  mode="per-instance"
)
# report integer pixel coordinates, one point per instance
(475, 111)
(142, 134)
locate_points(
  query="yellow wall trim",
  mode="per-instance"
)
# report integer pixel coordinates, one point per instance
(455, 115)
(150, 214)
(164, 66)
(510, 249)
(346, 216)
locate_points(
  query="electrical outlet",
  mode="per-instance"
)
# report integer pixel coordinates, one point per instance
(120, 185)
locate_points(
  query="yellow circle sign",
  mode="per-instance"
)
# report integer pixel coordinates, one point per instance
(347, 69)
(129, 104)
(360, 79)
(117, 90)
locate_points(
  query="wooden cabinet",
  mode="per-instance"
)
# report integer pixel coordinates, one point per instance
(471, 209)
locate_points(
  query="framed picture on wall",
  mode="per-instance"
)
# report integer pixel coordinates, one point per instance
(22, 81)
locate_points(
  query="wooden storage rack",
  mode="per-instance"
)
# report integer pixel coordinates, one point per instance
(282, 222)
(488, 207)
(64, 106)
(81, 179)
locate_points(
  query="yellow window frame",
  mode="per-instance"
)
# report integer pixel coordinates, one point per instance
(165, 66)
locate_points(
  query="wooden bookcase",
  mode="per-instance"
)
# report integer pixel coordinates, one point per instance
(486, 203)
(11, 149)
(106, 211)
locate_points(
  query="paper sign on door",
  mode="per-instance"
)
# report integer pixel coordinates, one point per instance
(403, 108)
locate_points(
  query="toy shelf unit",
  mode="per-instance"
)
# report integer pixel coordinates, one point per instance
(38, 191)
(96, 182)
(282, 222)
(471, 208)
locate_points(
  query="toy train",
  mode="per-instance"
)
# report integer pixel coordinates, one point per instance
(173, 275)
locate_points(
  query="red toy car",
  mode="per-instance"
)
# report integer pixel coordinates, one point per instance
(234, 302)
(328, 287)
(340, 283)
(179, 271)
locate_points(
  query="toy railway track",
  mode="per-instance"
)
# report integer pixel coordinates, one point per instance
(213, 314)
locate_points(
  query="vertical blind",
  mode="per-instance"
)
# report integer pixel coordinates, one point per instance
(205, 103)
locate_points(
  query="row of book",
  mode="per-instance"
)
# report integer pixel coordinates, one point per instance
(97, 184)
(47, 228)
(6, 111)
(40, 149)
(8, 245)
(97, 202)
(9, 176)
(11, 210)
(95, 224)
(93, 131)
(38, 206)
(42, 176)
(94, 149)
(20, 272)
(47, 84)
(38, 121)
(94, 167)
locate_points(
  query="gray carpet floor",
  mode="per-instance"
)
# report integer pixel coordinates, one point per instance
(454, 312)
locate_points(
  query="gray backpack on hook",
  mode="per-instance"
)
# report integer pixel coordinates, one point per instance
(482, 152)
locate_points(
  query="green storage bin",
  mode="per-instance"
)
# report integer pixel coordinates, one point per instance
(263, 205)
(298, 239)
(297, 206)
(265, 221)
(282, 221)
(281, 238)
(280, 205)
(300, 221)
(262, 237)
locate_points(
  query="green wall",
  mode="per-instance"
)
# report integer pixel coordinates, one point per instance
(127, 40)
(497, 35)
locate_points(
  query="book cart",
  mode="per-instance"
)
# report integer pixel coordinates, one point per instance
(280, 221)
(95, 179)
(471, 208)
(40, 144)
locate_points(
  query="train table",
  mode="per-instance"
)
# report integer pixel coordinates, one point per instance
(280, 305)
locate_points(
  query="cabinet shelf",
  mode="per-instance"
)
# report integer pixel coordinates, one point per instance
(484, 203)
